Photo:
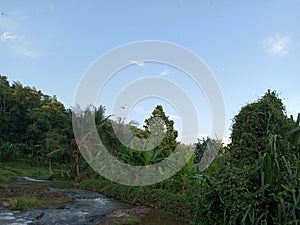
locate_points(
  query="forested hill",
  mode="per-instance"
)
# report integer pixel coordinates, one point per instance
(38, 128)
(30, 122)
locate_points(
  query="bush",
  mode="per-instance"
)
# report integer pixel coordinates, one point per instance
(258, 180)
(11, 152)
(252, 126)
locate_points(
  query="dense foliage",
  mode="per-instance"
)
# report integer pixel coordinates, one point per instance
(254, 180)
(32, 124)
(255, 123)
(257, 180)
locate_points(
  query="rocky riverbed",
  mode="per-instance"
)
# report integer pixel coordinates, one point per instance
(49, 198)
(72, 206)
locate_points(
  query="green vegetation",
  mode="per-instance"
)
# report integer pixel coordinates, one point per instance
(257, 179)
(254, 180)
(30, 124)
(154, 196)
(25, 203)
(9, 171)
(130, 221)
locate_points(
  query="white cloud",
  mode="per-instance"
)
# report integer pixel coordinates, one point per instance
(165, 72)
(277, 45)
(17, 46)
(7, 36)
(13, 39)
(138, 63)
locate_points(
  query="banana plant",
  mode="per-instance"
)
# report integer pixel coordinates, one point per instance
(187, 172)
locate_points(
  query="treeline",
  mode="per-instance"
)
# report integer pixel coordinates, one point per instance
(37, 128)
(30, 122)
(254, 180)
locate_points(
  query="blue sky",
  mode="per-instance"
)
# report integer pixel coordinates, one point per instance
(250, 47)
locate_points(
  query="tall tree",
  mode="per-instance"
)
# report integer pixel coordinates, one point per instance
(5, 106)
(161, 127)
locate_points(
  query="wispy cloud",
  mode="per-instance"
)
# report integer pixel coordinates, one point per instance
(277, 45)
(27, 53)
(16, 45)
(11, 36)
(7, 36)
(138, 63)
(165, 72)
(19, 49)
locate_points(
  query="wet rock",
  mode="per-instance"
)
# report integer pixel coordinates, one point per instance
(40, 216)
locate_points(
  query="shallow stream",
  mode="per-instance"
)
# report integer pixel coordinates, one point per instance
(86, 208)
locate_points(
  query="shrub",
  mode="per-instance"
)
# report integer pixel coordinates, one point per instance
(252, 126)
(258, 180)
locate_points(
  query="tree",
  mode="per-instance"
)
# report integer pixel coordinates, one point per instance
(59, 150)
(50, 115)
(5, 94)
(5, 106)
(161, 127)
(26, 115)
(254, 123)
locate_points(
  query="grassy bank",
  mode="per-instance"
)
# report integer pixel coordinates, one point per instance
(174, 204)
(160, 199)
(10, 171)
(28, 196)
(26, 202)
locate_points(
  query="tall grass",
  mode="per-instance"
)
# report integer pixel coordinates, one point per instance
(25, 203)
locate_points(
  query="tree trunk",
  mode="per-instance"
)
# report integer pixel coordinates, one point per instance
(50, 166)
(77, 164)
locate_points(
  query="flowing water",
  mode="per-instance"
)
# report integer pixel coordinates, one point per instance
(86, 208)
